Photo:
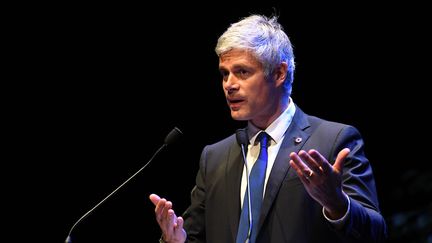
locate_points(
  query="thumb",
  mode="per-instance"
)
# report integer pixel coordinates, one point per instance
(154, 198)
(340, 160)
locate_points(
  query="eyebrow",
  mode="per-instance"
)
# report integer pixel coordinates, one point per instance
(236, 66)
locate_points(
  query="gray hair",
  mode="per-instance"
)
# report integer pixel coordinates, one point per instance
(265, 38)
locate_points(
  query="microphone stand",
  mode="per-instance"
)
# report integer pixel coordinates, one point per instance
(248, 192)
(170, 138)
(242, 140)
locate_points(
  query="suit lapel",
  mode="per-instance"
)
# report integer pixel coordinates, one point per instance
(234, 170)
(295, 137)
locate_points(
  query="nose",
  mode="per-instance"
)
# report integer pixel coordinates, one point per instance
(231, 84)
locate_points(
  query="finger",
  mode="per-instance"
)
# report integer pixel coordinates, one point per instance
(159, 208)
(299, 172)
(172, 217)
(180, 222)
(324, 165)
(168, 222)
(303, 168)
(154, 198)
(166, 213)
(310, 162)
(340, 159)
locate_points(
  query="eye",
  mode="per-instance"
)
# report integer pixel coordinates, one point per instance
(243, 73)
(224, 74)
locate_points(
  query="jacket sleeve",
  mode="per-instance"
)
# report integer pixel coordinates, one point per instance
(194, 215)
(365, 223)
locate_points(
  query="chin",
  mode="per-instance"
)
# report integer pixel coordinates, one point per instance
(238, 116)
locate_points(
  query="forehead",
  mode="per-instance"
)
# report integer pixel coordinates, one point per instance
(238, 57)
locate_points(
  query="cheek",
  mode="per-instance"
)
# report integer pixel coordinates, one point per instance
(263, 102)
(260, 96)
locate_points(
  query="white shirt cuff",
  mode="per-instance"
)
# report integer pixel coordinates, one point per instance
(339, 223)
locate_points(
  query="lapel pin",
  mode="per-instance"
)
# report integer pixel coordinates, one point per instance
(298, 140)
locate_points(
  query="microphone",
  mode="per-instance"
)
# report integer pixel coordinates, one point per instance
(243, 141)
(172, 137)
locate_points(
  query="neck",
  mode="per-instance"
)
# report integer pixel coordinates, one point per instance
(266, 121)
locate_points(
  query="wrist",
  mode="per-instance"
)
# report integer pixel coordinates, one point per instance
(161, 240)
(337, 211)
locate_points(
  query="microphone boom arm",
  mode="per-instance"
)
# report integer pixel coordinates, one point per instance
(170, 138)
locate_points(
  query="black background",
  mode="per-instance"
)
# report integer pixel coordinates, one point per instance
(97, 87)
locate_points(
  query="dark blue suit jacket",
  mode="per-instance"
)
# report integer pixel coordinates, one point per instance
(288, 213)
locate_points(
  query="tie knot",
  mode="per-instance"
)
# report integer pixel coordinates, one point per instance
(263, 139)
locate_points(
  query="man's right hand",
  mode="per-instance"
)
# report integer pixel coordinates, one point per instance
(170, 224)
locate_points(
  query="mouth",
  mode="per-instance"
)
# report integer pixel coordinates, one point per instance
(235, 103)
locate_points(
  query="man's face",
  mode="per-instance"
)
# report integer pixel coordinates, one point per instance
(250, 96)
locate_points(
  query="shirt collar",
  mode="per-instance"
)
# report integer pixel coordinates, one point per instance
(277, 128)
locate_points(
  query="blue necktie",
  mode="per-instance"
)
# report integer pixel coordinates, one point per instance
(256, 180)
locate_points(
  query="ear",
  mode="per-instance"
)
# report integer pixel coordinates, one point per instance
(280, 73)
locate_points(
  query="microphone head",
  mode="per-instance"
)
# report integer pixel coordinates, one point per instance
(173, 136)
(242, 137)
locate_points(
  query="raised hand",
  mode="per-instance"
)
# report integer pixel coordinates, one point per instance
(170, 224)
(322, 181)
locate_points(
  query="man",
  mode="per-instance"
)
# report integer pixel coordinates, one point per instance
(316, 183)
